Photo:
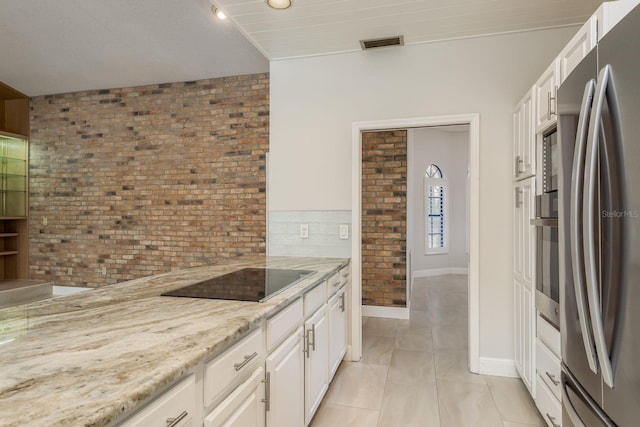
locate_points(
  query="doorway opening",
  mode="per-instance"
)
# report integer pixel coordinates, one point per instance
(470, 123)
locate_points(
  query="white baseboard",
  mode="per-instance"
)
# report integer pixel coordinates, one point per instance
(440, 272)
(498, 367)
(386, 312)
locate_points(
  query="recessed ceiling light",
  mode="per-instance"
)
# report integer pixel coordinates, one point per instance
(279, 4)
(220, 14)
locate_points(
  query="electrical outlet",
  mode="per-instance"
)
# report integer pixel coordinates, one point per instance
(344, 231)
(104, 271)
(69, 271)
(44, 221)
(304, 231)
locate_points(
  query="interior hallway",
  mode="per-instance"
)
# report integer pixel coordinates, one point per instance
(414, 372)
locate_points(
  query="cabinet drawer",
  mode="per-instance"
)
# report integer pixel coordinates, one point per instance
(333, 284)
(315, 298)
(280, 325)
(338, 280)
(548, 367)
(548, 335)
(232, 365)
(547, 404)
(244, 407)
(177, 402)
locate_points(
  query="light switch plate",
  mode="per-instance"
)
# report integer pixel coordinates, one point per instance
(304, 231)
(344, 231)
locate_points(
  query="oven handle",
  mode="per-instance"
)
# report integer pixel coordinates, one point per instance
(575, 225)
(544, 222)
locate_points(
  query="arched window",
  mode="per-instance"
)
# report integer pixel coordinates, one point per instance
(435, 211)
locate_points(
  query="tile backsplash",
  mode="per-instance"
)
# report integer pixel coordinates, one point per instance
(324, 234)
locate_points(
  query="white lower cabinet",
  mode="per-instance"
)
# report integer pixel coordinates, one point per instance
(316, 362)
(244, 407)
(175, 407)
(525, 334)
(285, 383)
(548, 393)
(337, 330)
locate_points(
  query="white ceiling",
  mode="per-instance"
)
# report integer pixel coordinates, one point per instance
(49, 47)
(59, 46)
(315, 27)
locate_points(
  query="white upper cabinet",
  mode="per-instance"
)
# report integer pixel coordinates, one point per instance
(546, 89)
(524, 136)
(610, 13)
(578, 47)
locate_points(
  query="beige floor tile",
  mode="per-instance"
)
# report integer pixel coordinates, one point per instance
(379, 327)
(449, 337)
(413, 405)
(411, 367)
(417, 319)
(377, 350)
(453, 365)
(467, 405)
(514, 401)
(415, 339)
(336, 415)
(359, 385)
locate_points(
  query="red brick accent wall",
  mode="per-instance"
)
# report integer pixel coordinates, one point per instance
(384, 213)
(130, 182)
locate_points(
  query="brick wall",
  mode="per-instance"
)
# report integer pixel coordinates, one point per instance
(130, 182)
(384, 213)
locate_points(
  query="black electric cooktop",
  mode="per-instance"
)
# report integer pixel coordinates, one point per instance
(249, 284)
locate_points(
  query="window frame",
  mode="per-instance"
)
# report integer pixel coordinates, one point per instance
(436, 181)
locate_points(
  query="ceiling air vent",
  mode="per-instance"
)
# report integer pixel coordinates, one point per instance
(384, 42)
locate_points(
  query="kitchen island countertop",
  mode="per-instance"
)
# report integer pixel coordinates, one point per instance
(86, 359)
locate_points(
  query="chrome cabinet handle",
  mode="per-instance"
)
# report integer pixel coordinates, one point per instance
(337, 283)
(518, 161)
(173, 422)
(552, 420)
(312, 331)
(342, 303)
(246, 360)
(305, 345)
(345, 274)
(267, 391)
(552, 378)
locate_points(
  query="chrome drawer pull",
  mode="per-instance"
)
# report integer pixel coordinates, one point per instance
(552, 420)
(337, 283)
(246, 360)
(345, 275)
(267, 391)
(552, 378)
(342, 303)
(173, 422)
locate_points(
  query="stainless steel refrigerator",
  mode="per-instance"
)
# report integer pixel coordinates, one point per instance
(599, 220)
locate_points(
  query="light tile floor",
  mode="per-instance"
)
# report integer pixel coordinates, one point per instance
(414, 372)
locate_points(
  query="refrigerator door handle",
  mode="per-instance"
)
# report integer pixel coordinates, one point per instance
(577, 253)
(593, 285)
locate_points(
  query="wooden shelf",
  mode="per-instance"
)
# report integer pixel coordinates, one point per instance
(7, 253)
(8, 234)
(13, 135)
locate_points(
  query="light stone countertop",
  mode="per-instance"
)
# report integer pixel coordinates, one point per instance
(85, 359)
